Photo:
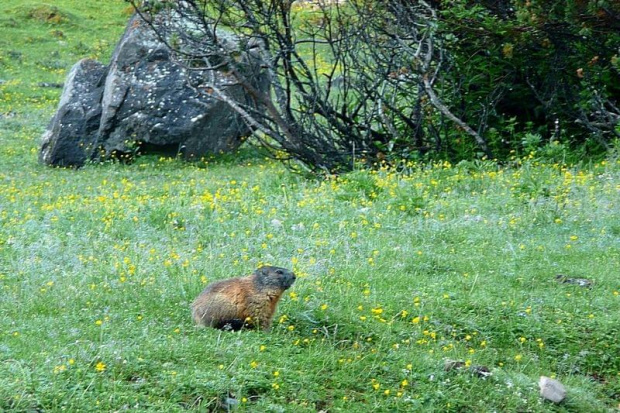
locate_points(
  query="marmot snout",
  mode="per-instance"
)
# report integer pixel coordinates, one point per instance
(244, 301)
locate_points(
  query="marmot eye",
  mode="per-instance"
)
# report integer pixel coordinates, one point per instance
(279, 272)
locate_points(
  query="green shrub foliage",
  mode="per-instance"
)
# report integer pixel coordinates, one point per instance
(547, 68)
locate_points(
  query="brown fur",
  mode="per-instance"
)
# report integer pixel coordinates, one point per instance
(244, 301)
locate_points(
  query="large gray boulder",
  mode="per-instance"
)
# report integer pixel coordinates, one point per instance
(146, 99)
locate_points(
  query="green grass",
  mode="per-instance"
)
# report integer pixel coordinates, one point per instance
(398, 272)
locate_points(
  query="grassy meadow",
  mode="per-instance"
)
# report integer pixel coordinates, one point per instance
(399, 272)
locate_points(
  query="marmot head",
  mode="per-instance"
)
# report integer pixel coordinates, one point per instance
(277, 277)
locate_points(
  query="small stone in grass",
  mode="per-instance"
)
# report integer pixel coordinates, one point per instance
(581, 282)
(480, 371)
(551, 389)
(453, 365)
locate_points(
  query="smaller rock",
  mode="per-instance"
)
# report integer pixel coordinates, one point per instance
(551, 389)
(450, 365)
(481, 371)
(582, 282)
(71, 135)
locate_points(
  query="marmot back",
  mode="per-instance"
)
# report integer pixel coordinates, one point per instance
(244, 301)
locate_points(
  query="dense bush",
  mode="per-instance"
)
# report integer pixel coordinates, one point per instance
(531, 73)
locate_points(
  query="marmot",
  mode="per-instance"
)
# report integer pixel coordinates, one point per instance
(248, 302)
